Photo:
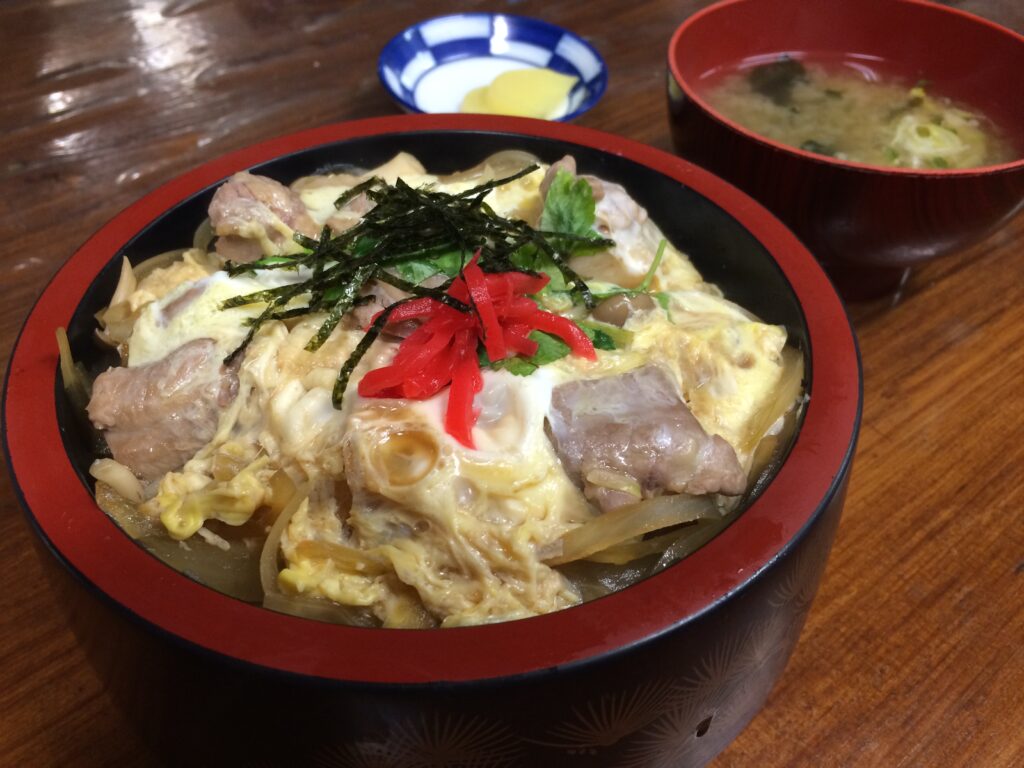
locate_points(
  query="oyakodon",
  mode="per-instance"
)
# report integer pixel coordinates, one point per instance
(228, 431)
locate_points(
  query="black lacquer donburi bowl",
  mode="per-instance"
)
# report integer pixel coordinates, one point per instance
(664, 673)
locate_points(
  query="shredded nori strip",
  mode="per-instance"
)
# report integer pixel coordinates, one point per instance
(254, 325)
(338, 394)
(576, 283)
(480, 191)
(356, 191)
(342, 305)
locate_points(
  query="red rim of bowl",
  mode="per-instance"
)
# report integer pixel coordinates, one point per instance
(675, 45)
(82, 536)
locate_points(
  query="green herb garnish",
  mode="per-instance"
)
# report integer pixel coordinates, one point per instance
(549, 349)
(645, 284)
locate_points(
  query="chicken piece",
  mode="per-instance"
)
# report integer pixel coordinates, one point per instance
(155, 417)
(636, 428)
(255, 216)
(239, 250)
(567, 163)
(619, 217)
(615, 210)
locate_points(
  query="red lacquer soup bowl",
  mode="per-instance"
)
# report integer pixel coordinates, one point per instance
(665, 672)
(867, 224)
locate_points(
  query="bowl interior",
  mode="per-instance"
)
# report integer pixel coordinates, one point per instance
(721, 248)
(735, 242)
(430, 66)
(968, 59)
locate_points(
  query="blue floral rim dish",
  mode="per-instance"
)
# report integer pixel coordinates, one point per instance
(432, 65)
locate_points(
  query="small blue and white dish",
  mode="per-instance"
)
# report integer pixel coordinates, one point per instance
(432, 65)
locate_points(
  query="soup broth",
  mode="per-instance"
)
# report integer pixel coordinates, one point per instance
(848, 114)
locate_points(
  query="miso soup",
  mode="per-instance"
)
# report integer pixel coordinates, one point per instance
(853, 114)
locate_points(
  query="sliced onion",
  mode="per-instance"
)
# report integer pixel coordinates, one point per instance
(616, 481)
(117, 322)
(118, 477)
(630, 522)
(784, 398)
(126, 283)
(203, 236)
(76, 382)
(282, 490)
(319, 609)
(144, 268)
(268, 557)
(123, 512)
(593, 580)
(620, 554)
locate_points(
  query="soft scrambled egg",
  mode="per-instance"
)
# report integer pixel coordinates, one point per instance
(192, 311)
(400, 517)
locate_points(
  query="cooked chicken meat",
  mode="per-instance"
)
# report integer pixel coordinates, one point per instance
(635, 429)
(254, 216)
(620, 217)
(155, 417)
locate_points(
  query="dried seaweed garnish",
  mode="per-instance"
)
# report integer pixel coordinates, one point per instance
(343, 300)
(357, 190)
(341, 384)
(404, 225)
(280, 298)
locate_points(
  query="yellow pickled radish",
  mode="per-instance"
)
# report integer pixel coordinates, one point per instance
(529, 92)
(476, 101)
(521, 92)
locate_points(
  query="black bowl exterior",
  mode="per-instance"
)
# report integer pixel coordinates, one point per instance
(696, 649)
(673, 701)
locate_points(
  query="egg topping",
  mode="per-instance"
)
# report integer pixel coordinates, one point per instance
(399, 517)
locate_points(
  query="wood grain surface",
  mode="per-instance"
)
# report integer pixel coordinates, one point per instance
(914, 651)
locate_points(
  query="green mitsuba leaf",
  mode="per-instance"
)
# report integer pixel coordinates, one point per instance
(549, 349)
(569, 206)
(418, 270)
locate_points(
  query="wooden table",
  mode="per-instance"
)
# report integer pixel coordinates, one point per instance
(914, 651)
